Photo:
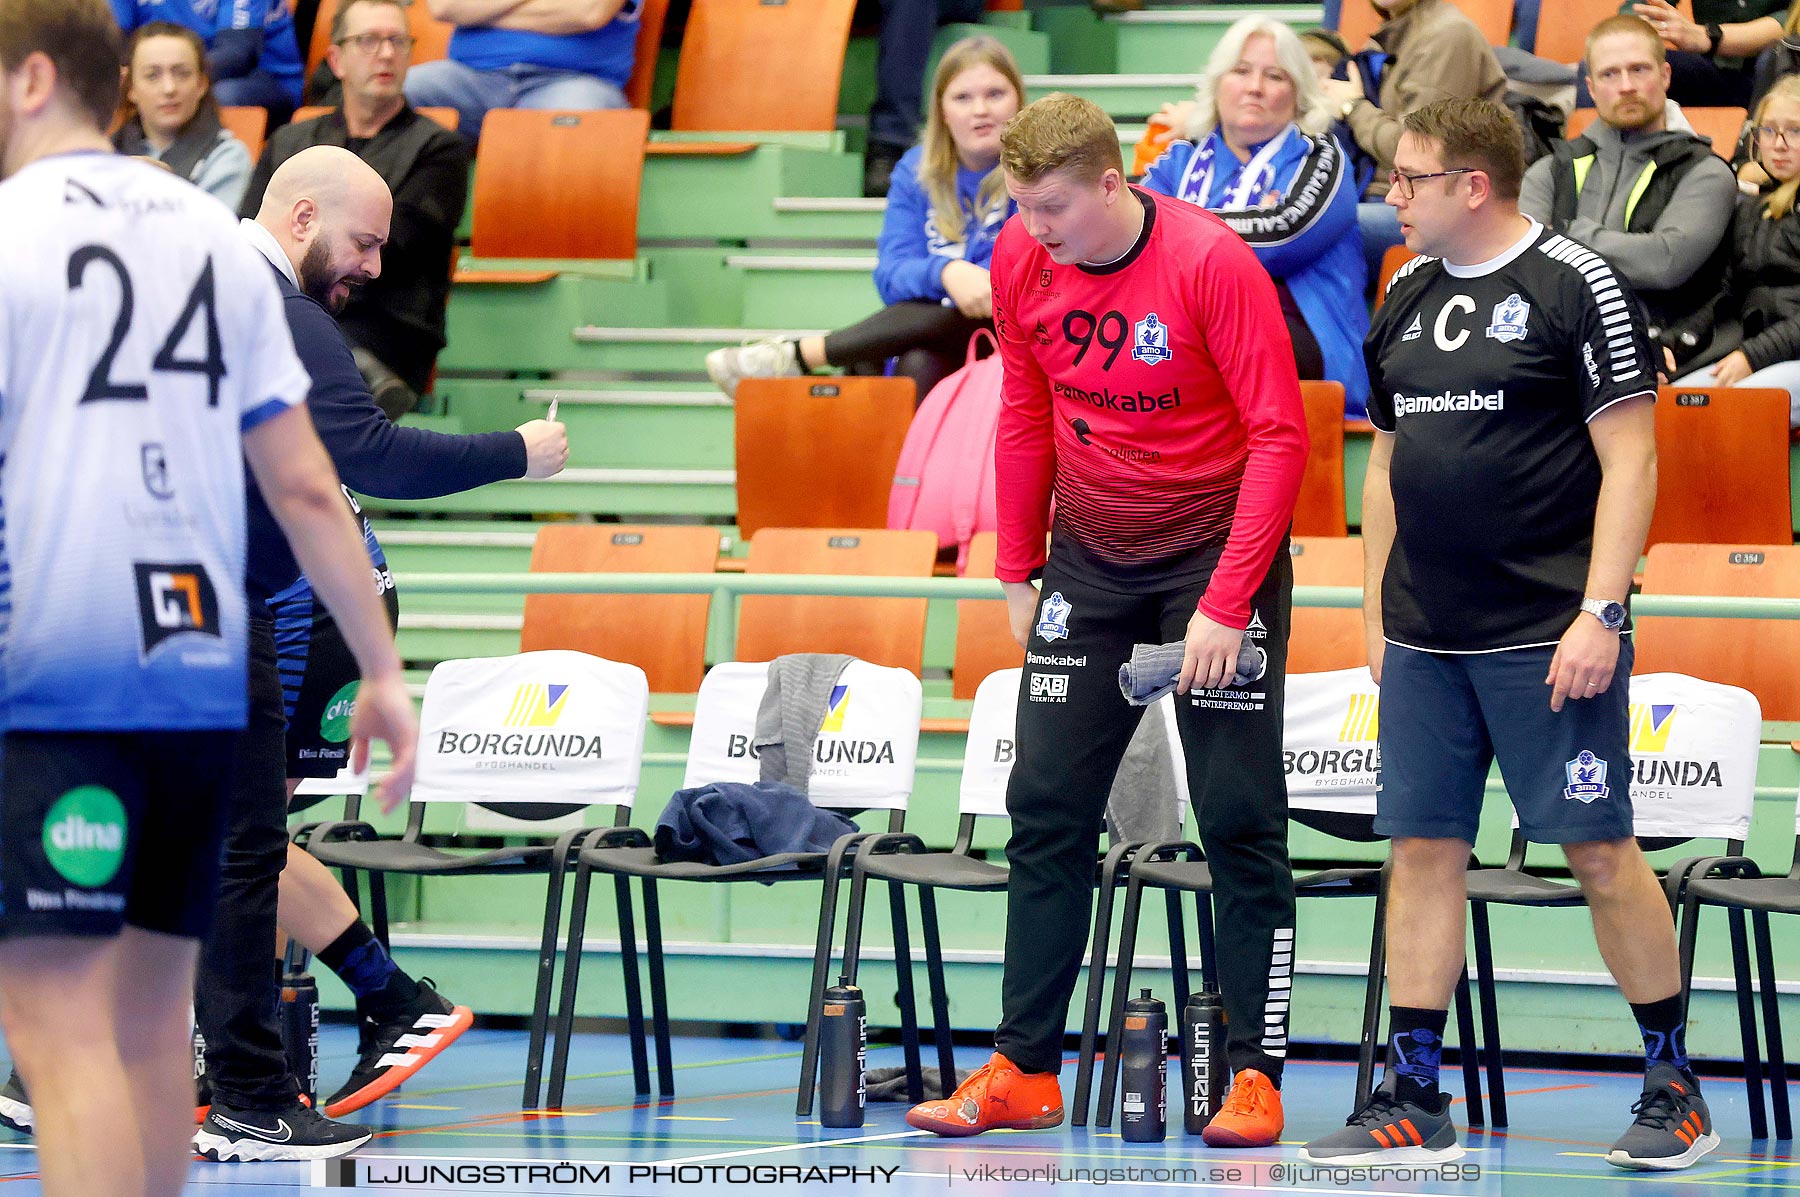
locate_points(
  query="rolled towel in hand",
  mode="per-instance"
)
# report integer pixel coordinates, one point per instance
(1154, 669)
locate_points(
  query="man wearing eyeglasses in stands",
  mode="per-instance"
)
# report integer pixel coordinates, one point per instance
(395, 325)
(1508, 496)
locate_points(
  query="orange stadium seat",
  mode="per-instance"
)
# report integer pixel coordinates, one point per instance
(1327, 638)
(1563, 27)
(450, 118)
(1760, 655)
(1358, 19)
(723, 82)
(1721, 126)
(248, 125)
(818, 452)
(984, 641)
(1321, 508)
(652, 15)
(664, 634)
(1391, 262)
(559, 184)
(1697, 431)
(884, 631)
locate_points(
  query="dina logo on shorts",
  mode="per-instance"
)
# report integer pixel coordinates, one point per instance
(84, 836)
(1053, 617)
(334, 724)
(1587, 778)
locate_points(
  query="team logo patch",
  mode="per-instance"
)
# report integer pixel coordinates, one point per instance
(175, 598)
(1414, 331)
(1508, 322)
(155, 464)
(1044, 278)
(1053, 617)
(1587, 778)
(1150, 341)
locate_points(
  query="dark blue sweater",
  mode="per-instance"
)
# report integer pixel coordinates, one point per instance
(373, 455)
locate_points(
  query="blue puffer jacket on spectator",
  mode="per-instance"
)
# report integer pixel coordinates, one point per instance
(912, 254)
(1294, 204)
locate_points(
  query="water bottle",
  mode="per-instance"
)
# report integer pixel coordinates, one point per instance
(300, 1029)
(1144, 1071)
(1203, 1073)
(843, 1048)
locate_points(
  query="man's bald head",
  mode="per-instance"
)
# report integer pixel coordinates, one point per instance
(330, 213)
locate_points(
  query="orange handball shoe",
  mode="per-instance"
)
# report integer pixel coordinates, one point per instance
(1251, 1115)
(997, 1096)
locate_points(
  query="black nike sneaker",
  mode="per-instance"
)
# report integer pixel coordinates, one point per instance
(294, 1132)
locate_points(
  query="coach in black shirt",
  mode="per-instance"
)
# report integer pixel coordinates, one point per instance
(1509, 492)
(395, 323)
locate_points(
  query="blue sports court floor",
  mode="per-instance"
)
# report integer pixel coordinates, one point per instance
(734, 1113)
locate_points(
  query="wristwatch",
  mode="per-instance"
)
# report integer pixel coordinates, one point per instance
(1715, 33)
(1610, 614)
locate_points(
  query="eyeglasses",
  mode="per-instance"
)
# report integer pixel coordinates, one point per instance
(1778, 136)
(369, 43)
(1405, 181)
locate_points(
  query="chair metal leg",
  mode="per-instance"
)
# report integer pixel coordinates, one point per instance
(1115, 1033)
(1466, 1043)
(1753, 1074)
(821, 976)
(1490, 1014)
(935, 983)
(907, 1000)
(547, 949)
(378, 899)
(1371, 1022)
(634, 987)
(1096, 984)
(659, 988)
(1178, 963)
(565, 1007)
(1771, 1003)
(1209, 948)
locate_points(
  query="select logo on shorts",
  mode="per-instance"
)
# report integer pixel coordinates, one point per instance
(334, 724)
(1587, 778)
(175, 598)
(536, 705)
(1053, 617)
(84, 836)
(835, 710)
(1150, 341)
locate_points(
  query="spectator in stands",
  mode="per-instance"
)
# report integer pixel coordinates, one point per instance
(395, 323)
(1713, 60)
(252, 54)
(902, 49)
(1654, 201)
(1438, 53)
(172, 116)
(944, 209)
(1759, 309)
(1257, 149)
(529, 54)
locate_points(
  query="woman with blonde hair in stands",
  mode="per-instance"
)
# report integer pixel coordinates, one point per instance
(1760, 307)
(945, 205)
(1257, 150)
(172, 116)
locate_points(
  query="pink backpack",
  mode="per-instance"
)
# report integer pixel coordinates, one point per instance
(944, 482)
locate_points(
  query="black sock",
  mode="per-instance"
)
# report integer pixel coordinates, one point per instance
(361, 963)
(1415, 1049)
(1665, 1032)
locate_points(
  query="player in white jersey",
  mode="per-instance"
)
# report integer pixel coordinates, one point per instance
(143, 357)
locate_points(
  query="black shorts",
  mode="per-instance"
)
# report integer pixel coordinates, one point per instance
(1447, 717)
(101, 829)
(319, 679)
